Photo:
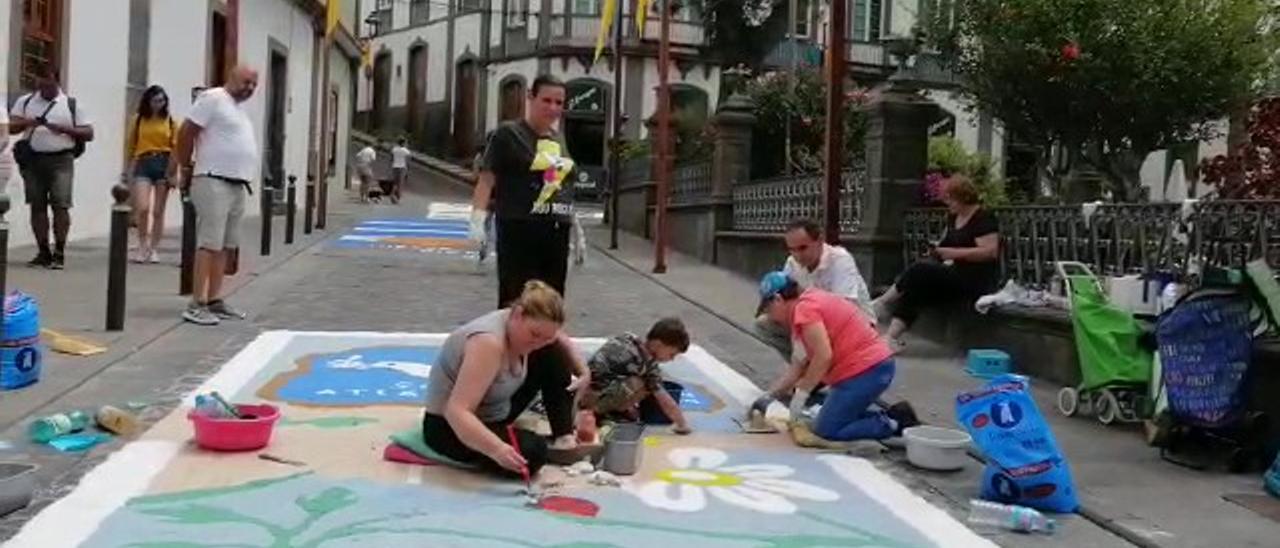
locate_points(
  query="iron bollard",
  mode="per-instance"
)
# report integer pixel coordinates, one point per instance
(290, 209)
(188, 261)
(267, 189)
(308, 204)
(118, 265)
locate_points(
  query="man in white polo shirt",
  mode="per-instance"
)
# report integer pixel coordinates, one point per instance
(52, 129)
(6, 156)
(220, 135)
(814, 263)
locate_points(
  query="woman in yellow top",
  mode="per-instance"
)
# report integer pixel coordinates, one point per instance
(152, 136)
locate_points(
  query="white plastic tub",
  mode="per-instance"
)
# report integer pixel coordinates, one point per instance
(934, 448)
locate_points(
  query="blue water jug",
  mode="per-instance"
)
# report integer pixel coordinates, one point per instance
(20, 352)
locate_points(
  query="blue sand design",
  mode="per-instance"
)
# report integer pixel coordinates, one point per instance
(370, 233)
(364, 376)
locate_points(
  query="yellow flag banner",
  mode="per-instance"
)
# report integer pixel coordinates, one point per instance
(642, 11)
(606, 23)
(333, 14)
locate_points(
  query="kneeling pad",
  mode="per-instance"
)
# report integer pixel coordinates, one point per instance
(412, 441)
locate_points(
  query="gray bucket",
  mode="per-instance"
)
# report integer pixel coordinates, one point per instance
(17, 484)
(623, 448)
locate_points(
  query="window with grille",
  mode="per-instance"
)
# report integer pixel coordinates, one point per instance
(803, 15)
(866, 16)
(517, 13)
(586, 7)
(419, 11)
(382, 9)
(41, 38)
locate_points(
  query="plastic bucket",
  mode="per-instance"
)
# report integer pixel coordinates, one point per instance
(17, 484)
(651, 413)
(986, 363)
(236, 434)
(623, 448)
(20, 351)
(934, 448)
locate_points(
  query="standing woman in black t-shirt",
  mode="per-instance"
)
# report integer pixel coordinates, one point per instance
(964, 267)
(526, 170)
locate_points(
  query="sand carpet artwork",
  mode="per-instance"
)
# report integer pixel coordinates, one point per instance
(342, 395)
(408, 234)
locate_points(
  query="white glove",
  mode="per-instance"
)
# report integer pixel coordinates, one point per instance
(578, 382)
(798, 400)
(476, 233)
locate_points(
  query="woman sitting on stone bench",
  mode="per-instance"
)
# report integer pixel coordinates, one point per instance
(488, 373)
(963, 266)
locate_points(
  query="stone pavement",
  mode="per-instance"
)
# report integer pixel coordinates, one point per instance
(1124, 485)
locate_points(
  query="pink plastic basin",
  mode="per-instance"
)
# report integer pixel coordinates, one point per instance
(236, 434)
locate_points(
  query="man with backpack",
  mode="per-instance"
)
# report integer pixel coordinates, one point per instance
(52, 133)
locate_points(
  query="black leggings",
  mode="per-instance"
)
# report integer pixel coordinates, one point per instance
(531, 250)
(549, 374)
(925, 285)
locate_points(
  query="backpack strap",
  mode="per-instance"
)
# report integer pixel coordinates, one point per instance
(71, 103)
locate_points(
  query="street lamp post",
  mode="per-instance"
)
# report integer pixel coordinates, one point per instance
(664, 139)
(615, 148)
(835, 122)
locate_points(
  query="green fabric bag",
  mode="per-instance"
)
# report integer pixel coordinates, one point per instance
(1106, 338)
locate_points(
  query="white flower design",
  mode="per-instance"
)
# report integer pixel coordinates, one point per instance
(701, 471)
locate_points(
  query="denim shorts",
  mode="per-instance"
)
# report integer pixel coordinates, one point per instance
(152, 167)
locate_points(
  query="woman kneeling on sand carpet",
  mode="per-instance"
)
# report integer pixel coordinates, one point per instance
(488, 373)
(841, 351)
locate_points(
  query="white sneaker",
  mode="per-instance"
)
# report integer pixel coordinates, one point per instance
(564, 443)
(153, 256)
(138, 256)
(200, 315)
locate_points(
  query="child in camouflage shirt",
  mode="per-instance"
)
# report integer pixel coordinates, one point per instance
(626, 370)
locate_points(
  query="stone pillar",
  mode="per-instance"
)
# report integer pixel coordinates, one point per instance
(897, 154)
(731, 162)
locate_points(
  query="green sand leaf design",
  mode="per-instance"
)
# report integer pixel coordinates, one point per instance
(198, 514)
(335, 499)
(197, 494)
(330, 423)
(329, 500)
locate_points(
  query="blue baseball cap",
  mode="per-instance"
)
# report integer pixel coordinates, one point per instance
(770, 286)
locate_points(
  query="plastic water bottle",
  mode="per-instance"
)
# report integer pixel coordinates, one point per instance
(1013, 518)
(206, 406)
(48, 428)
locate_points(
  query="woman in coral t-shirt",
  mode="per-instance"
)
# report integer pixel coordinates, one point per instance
(841, 351)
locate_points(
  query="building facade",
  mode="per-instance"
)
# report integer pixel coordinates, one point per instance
(110, 51)
(447, 71)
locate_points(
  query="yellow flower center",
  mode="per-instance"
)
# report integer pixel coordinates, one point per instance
(700, 478)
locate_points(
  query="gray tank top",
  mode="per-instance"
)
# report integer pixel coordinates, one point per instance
(496, 404)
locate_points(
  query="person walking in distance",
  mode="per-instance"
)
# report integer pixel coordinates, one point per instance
(364, 170)
(54, 129)
(220, 136)
(524, 169)
(399, 169)
(150, 144)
